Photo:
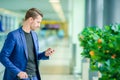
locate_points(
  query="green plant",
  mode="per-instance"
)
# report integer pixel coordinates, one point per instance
(102, 46)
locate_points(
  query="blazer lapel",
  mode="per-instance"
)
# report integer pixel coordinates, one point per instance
(24, 42)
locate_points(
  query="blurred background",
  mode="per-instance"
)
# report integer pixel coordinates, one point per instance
(62, 22)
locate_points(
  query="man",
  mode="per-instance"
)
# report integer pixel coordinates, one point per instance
(20, 53)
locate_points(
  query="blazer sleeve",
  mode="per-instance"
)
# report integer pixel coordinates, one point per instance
(6, 52)
(41, 56)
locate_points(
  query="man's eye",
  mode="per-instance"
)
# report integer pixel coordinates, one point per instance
(38, 22)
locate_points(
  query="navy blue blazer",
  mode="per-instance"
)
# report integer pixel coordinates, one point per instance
(14, 54)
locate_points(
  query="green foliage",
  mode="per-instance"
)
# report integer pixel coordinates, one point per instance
(102, 46)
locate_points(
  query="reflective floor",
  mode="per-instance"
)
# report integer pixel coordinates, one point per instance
(59, 77)
(58, 67)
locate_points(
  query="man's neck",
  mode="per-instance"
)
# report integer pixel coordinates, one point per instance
(26, 28)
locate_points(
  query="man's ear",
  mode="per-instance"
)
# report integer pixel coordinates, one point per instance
(30, 19)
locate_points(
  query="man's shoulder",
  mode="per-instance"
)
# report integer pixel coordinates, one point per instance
(15, 32)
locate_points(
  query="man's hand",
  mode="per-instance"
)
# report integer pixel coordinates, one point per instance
(49, 52)
(22, 75)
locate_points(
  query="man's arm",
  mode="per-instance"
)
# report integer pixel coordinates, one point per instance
(6, 52)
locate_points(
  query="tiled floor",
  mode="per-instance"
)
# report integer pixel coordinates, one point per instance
(59, 77)
(59, 65)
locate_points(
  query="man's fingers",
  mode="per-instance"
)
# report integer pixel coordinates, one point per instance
(23, 75)
(49, 52)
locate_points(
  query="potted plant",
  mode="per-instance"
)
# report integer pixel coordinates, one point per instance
(102, 47)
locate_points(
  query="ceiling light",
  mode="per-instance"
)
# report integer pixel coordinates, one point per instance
(54, 1)
(58, 9)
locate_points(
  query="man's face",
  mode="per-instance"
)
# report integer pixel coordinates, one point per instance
(36, 23)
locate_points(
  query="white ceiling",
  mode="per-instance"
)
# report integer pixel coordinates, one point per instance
(20, 6)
